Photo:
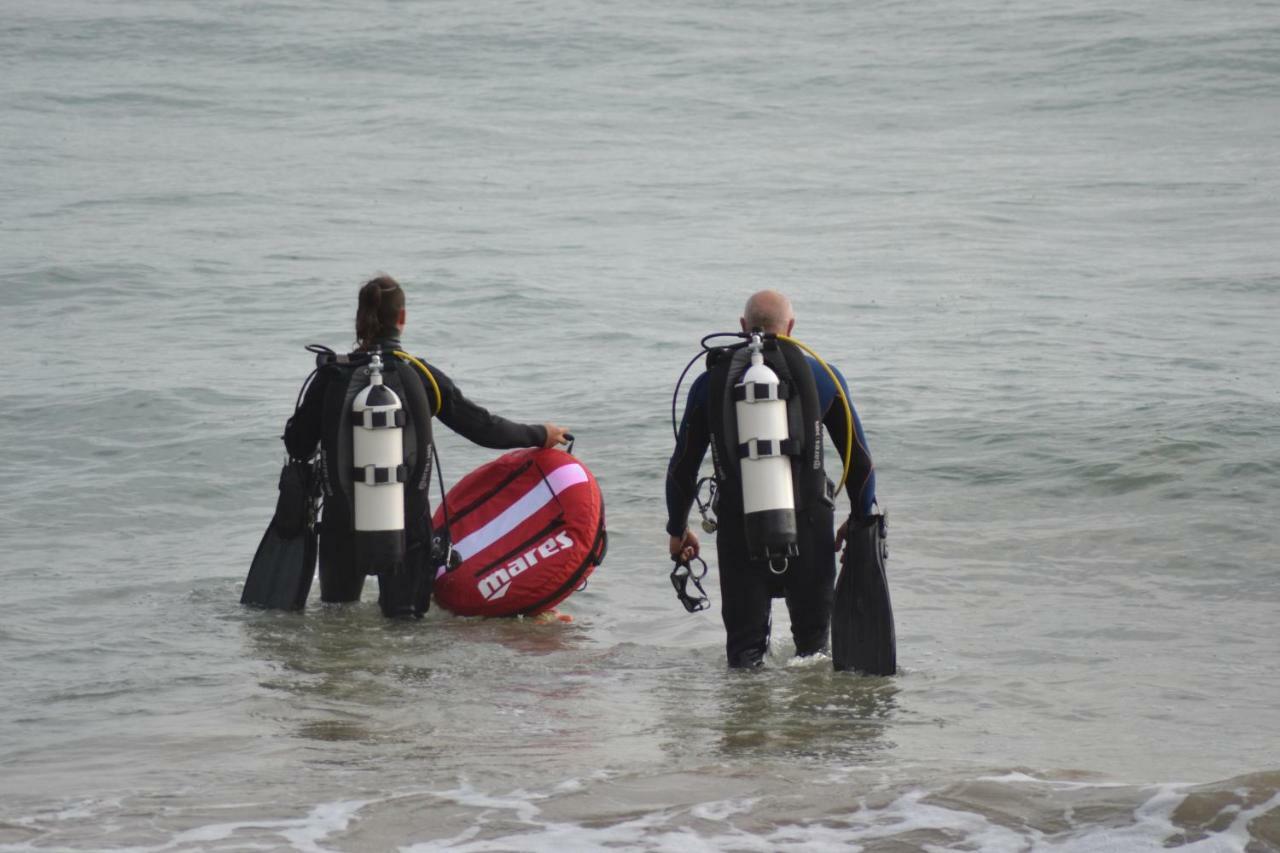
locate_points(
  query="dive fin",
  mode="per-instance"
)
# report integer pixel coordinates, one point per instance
(284, 565)
(862, 635)
(282, 569)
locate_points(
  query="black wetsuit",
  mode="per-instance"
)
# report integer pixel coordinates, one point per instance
(305, 431)
(747, 587)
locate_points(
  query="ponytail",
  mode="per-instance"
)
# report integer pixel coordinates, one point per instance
(378, 311)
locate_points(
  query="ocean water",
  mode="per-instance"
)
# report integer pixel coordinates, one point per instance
(1041, 241)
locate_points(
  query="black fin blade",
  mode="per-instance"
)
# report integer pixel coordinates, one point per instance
(862, 634)
(281, 573)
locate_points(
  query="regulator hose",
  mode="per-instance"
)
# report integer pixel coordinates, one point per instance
(848, 410)
(427, 373)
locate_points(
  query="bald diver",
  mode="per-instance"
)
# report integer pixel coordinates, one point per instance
(774, 530)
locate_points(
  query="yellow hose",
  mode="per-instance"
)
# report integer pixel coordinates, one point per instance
(848, 410)
(426, 373)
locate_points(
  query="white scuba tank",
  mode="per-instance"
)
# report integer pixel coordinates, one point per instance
(768, 494)
(377, 453)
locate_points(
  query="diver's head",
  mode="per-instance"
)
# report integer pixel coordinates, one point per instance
(380, 311)
(769, 311)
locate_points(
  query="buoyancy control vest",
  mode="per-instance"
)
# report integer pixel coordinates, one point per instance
(725, 368)
(347, 376)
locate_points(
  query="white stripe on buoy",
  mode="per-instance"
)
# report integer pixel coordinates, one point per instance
(528, 504)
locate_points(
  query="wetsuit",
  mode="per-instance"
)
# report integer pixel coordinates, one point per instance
(747, 587)
(315, 423)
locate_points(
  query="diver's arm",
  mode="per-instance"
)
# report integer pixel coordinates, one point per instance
(861, 483)
(477, 424)
(302, 431)
(692, 441)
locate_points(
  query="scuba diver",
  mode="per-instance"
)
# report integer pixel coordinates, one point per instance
(774, 530)
(370, 412)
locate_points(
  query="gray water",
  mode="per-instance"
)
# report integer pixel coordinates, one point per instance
(1039, 240)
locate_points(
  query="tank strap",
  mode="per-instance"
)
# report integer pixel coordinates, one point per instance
(374, 475)
(757, 391)
(763, 448)
(382, 420)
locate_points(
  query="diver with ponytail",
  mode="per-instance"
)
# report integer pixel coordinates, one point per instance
(379, 311)
(337, 402)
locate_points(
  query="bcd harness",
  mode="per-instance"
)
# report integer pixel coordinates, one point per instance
(349, 376)
(735, 385)
(743, 380)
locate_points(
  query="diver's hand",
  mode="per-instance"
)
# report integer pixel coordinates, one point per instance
(684, 548)
(841, 532)
(555, 435)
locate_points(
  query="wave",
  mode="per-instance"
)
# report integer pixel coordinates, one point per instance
(1012, 810)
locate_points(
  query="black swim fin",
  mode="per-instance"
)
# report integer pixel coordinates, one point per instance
(862, 635)
(280, 575)
(284, 565)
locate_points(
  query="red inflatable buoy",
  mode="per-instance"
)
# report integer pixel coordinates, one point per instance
(529, 527)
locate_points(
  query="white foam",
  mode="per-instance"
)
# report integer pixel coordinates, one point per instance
(866, 829)
(709, 826)
(809, 661)
(1015, 777)
(520, 801)
(721, 810)
(303, 834)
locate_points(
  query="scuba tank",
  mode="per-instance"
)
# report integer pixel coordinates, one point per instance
(768, 494)
(378, 474)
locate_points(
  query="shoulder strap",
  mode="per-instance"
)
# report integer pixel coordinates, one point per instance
(335, 439)
(804, 422)
(418, 429)
(724, 366)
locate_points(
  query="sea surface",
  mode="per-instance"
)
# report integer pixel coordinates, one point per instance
(1041, 240)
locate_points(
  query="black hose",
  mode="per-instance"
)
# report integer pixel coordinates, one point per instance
(675, 395)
